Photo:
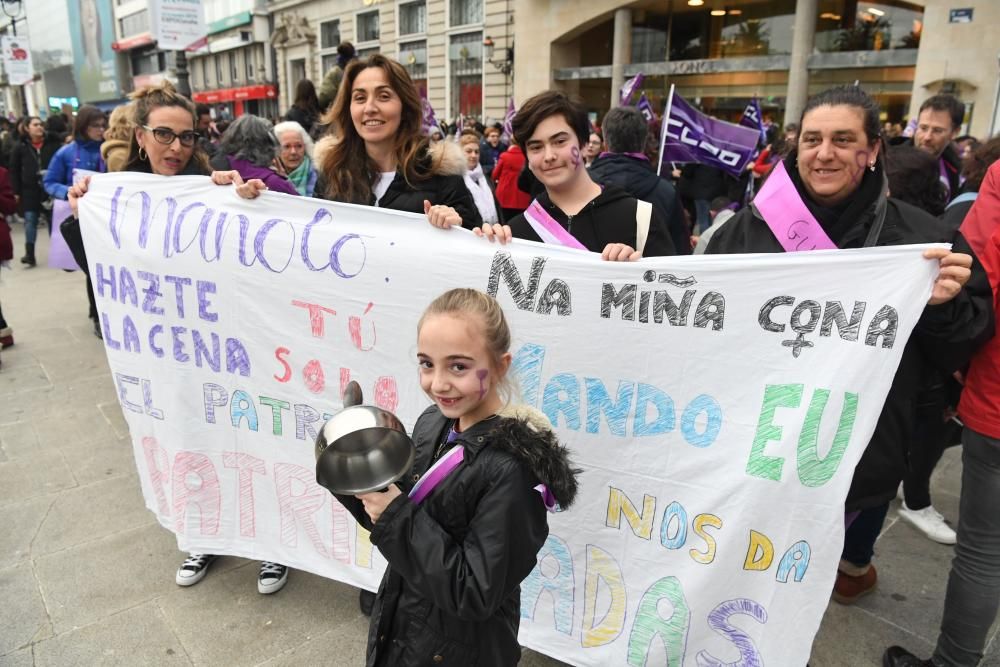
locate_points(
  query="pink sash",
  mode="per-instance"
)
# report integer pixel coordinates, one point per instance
(794, 226)
(548, 228)
(436, 473)
(446, 464)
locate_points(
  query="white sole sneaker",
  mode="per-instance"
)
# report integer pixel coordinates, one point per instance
(929, 522)
(194, 569)
(272, 578)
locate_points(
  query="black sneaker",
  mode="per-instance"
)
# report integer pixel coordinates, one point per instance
(193, 569)
(897, 656)
(272, 577)
(367, 602)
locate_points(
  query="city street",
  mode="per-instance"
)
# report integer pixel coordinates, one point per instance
(87, 574)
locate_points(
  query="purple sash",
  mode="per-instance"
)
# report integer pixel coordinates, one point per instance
(436, 473)
(548, 228)
(794, 226)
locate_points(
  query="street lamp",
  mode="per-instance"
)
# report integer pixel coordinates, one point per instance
(507, 64)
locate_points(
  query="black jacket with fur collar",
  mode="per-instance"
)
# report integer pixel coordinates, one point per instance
(444, 167)
(451, 594)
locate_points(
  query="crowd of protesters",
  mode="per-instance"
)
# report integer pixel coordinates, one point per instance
(554, 177)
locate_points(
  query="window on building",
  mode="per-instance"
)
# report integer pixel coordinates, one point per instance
(218, 69)
(364, 53)
(465, 12)
(367, 26)
(329, 34)
(133, 24)
(234, 66)
(413, 18)
(465, 60)
(296, 72)
(413, 55)
(206, 82)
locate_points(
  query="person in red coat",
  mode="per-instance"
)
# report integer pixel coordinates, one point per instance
(512, 200)
(973, 595)
(8, 205)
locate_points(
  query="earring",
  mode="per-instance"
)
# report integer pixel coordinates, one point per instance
(143, 155)
(871, 167)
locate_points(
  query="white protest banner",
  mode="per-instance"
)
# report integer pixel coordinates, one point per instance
(17, 59)
(716, 404)
(176, 24)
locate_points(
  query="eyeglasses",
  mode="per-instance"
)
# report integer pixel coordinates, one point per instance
(165, 135)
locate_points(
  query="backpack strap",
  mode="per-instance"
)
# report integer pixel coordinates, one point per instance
(643, 213)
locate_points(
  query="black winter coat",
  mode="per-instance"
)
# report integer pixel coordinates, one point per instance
(25, 165)
(451, 594)
(637, 178)
(943, 340)
(608, 218)
(445, 185)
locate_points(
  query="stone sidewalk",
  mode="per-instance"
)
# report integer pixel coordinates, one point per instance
(86, 573)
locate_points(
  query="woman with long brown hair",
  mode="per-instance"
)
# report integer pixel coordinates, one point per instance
(382, 157)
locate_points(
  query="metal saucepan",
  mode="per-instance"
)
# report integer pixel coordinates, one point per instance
(362, 448)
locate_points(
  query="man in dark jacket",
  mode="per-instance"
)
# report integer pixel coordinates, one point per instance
(625, 165)
(490, 149)
(553, 128)
(938, 123)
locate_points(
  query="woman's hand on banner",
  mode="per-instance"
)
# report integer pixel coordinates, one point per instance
(245, 189)
(954, 271)
(619, 252)
(442, 216)
(376, 501)
(76, 191)
(494, 232)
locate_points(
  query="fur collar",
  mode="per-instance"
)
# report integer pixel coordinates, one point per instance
(445, 158)
(527, 435)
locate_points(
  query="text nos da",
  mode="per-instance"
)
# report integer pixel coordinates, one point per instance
(195, 495)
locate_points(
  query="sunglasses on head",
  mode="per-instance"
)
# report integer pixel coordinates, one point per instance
(165, 135)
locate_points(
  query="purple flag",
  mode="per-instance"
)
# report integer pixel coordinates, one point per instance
(911, 128)
(629, 88)
(753, 118)
(430, 120)
(691, 136)
(508, 122)
(646, 109)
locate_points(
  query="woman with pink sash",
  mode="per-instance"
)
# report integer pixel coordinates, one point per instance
(831, 193)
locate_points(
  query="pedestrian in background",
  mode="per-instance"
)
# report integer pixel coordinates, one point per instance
(117, 137)
(305, 109)
(250, 148)
(28, 162)
(331, 81)
(296, 156)
(83, 152)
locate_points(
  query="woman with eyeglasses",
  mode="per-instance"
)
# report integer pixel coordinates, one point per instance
(165, 143)
(84, 152)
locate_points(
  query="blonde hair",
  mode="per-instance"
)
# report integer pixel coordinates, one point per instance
(496, 333)
(468, 138)
(120, 123)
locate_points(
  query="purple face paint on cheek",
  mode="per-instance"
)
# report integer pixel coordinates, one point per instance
(575, 156)
(482, 374)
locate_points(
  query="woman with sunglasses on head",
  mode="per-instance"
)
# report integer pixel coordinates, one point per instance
(165, 143)
(84, 152)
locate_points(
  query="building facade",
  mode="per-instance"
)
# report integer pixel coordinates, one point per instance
(234, 71)
(455, 50)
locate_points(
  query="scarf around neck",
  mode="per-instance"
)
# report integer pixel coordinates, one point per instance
(480, 190)
(300, 176)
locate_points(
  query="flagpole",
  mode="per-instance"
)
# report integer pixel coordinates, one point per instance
(663, 129)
